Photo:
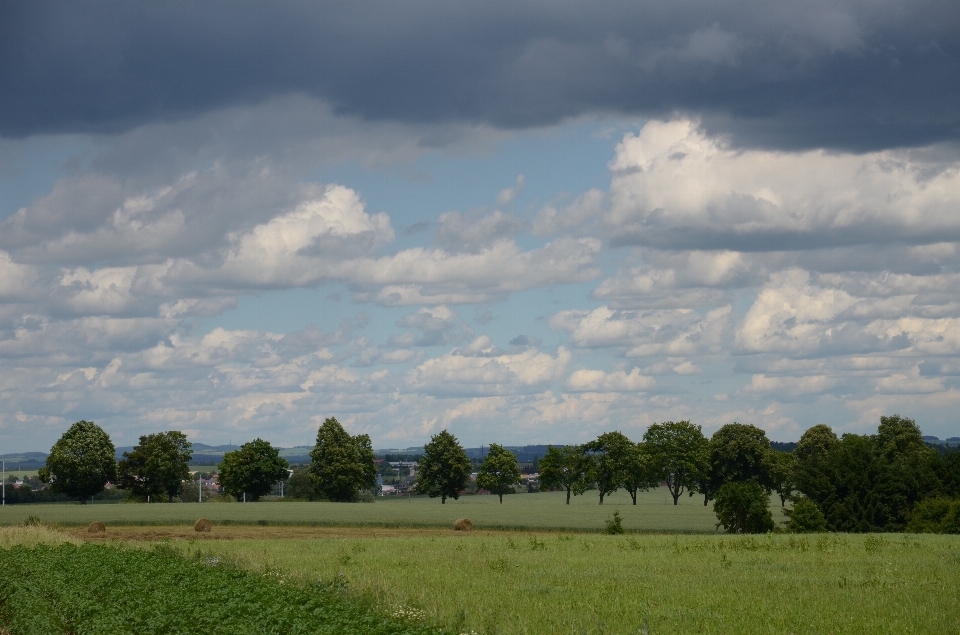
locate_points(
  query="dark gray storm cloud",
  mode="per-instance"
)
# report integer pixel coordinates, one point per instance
(854, 75)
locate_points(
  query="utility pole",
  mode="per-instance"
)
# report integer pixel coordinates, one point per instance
(4, 479)
(199, 487)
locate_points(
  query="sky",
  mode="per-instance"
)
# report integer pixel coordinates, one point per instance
(522, 222)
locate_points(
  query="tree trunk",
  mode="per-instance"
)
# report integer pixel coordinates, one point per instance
(501, 497)
(705, 500)
(601, 497)
(443, 500)
(633, 495)
(568, 496)
(675, 497)
(83, 501)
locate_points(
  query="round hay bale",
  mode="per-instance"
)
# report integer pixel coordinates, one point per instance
(203, 524)
(96, 527)
(463, 524)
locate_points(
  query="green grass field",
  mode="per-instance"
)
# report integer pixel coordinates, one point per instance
(545, 511)
(20, 473)
(579, 583)
(89, 588)
(555, 578)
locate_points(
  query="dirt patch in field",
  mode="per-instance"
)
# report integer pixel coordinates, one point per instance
(237, 532)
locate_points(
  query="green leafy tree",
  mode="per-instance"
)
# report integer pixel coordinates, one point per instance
(566, 467)
(867, 483)
(157, 466)
(816, 441)
(899, 436)
(915, 464)
(738, 454)
(675, 450)
(851, 472)
(936, 515)
(806, 518)
(252, 471)
(810, 471)
(301, 485)
(638, 473)
(741, 508)
(499, 470)
(81, 463)
(780, 471)
(703, 480)
(444, 469)
(948, 471)
(342, 465)
(609, 455)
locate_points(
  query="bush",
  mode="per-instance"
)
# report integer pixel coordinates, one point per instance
(741, 508)
(301, 485)
(614, 524)
(805, 518)
(189, 492)
(936, 516)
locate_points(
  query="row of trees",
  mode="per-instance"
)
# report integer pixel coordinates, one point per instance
(877, 482)
(855, 483)
(83, 461)
(848, 483)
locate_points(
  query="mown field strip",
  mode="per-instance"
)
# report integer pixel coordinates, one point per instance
(577, 583)
(543, 511)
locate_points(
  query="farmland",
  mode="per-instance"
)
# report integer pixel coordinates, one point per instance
(557, 582)
(100, 589)
(553, 572)
(543, 511)
(578, 583)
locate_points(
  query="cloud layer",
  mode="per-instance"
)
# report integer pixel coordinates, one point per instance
(771, 234)
(843, 75)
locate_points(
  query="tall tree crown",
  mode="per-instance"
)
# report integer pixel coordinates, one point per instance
(342, 465)
(253, 470)
(444, 469)
(81, 462)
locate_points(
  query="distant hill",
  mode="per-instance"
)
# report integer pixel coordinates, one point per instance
(525, 453)
(938, 441)
(28, 461)
(204, 454)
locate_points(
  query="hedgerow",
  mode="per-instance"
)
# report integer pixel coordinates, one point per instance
(103, 590)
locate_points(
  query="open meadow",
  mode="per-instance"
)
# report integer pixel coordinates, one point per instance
(489, 582)
(552, 572)
(654, 512)
(577, 583)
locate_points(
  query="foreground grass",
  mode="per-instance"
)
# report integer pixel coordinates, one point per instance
(544, 511)
(32, 536)
(102, 589)
(563, 583)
